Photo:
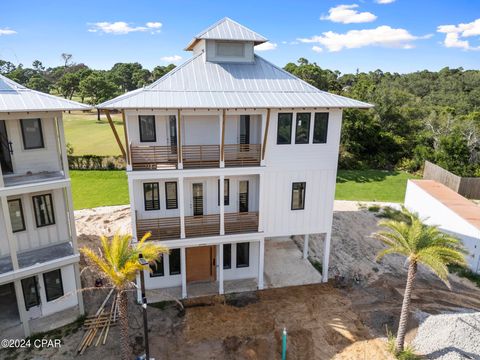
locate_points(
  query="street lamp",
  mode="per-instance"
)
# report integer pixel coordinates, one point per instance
(144, 263)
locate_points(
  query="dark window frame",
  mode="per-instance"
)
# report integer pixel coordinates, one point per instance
(36, 213)
(247, 264)
(59, 271)
(28, 307)
(41, 134)
(153, 201)
(21, 213)
(297, 140)
(167, 206)
(158, 264)
(140, 128)
(290, 130)
(226, 186)
(303, 197)
(323, 140)
(247, 197)
(226, 259)
(175, 272)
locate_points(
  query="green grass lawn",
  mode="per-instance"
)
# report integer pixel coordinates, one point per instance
(102, 188)
(98, 188)
(91, 137)
(372, 185)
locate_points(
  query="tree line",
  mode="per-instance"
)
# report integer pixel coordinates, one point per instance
(425, 115)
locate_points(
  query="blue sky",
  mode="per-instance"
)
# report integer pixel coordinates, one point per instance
(401, 36)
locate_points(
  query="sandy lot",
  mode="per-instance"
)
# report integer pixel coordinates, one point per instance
(344, 319)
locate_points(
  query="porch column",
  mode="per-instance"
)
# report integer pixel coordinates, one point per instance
(326, 256)
(222, 203)
(221, 120)
(305, 246)
(179, 140)
(21, 307)
(181, 207)
(10, 237)
(63, 145)
(220, 269)
(133, 213)
(76, 270)
(261, 258)
(265, 126)
(260, 202)
(183, 267)
(71, 216)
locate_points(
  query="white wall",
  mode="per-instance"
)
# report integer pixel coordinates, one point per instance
(4, 247)
(161, 127)
(163, 281)
(201, 130)
(34, 160)
(211, 52)
(435, 213)
(235, 273)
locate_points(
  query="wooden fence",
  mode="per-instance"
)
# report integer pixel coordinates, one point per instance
(465, 186)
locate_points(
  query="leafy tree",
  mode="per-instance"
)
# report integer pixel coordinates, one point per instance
(97, 87)
(68, 84)
(38, 82)
(420, 244)
(6, 67)
(159, 71)
(126, 75)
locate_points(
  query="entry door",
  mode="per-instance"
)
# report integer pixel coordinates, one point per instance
(172, 130)
(243, 196)
(5, 150)
(197, 199)
(200, 263)
(244, 129)
(31, 297)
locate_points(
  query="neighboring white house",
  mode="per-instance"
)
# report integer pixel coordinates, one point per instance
(224, 152)
(38, 248)
(440, 205)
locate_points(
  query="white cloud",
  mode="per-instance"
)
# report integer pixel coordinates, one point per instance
(346, 14)
(384, 1)
(7, 32)
(266, 46)
(172, 59)
(317, 49)
(122, 28)
(384, 36)
(456, 35)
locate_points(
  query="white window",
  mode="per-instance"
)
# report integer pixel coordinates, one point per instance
(230, 49)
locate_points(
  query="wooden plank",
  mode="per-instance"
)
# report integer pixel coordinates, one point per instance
(129, 159)
(112, 126)
(264, 144)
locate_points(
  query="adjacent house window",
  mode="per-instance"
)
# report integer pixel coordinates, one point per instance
(43, 207)
(226, 192)
(320, 128)
(147, 128)
(243, 255)
(284, 128)
(151, 196)
(30, 292)
(16, 215)
(53, 284)
(243, 196)
(171, 195)
(174, 262)
(227, 256)
(298, 196)
(32, 133)
(230, 49)
(302, 128)
(157, 268)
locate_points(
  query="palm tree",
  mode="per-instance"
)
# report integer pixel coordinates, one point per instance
(421, 244)
(118, 261)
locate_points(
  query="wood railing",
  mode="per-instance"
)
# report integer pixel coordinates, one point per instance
(147, 157)
(199, 156)
(161, 228)
(202, 225)
(241, 222)
(242, 154)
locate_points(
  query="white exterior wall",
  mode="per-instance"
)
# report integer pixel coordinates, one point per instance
(4, 247)
(435, 213)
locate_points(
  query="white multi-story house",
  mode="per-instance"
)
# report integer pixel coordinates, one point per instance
(224, 152)
(39, 274)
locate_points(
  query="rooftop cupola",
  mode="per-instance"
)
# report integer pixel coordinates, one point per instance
(226, 41)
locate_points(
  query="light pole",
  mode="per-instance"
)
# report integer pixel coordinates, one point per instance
(144, 263)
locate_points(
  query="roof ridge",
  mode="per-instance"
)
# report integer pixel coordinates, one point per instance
(12, 83)
(173, 71)
(218, 22)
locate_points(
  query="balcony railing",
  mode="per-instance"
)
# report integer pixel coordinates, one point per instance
(146, 157)
(161, 228)
(203, 225)
(199, 156)
(244, 222)
(242, 154)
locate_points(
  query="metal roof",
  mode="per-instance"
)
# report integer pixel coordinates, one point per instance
(227, 29)
(17, 98)
(198, 83)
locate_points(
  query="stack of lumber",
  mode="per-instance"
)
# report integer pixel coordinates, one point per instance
(99, 324)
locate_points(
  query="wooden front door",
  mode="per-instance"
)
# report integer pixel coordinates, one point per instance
(201, 263)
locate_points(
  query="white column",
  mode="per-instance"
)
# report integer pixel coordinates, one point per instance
(260, 202)
(220, 126)
(76, 270)
(264, 126)
(63, 145)
(261, 258)
(133, 214)
(10, 237)
(222, 204)
(181, 207)
(326, 256)
(139, 289)
(21, 307)
(220, 269)
(71, 216)
(183, 268)
(305, 246)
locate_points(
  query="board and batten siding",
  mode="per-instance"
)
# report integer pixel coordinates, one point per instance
(4, 247)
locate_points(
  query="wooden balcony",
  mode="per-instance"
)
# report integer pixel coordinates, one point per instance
(201, 156)
(204, 225)
(146, 157)
(244, 222)
(242, 154)
(161, 228)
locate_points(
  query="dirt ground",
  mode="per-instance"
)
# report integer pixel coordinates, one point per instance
(344, 319)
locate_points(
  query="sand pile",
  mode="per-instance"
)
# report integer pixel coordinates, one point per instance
(104, 220)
